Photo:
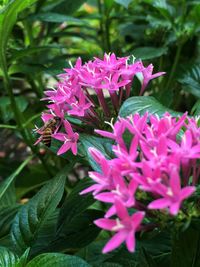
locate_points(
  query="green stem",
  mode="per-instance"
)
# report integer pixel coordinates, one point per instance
(176, 60)
(8, 126)
(18, 115)
(107, 33)
(101, 26)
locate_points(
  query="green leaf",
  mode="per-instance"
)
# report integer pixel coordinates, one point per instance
(190, 79)
(102, 144)
(5, 185)
(66, 7)
(23, 259)
(124, 3)
(6, 109)
(77, 232)
(55, 17)
(145, 53)
(57, 260)
(146, 260)
(7, 258)
(75, 203)
(196, 108)
(142, 104)
(8, 17)
(7, 215)
(186, 249)
(30, 219)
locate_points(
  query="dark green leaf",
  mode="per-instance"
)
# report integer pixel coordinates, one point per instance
(32, 216)
(78, 232)
(75, 203)
(7, 215)
(145, 259)
(57, 260)
(196, 108)
(102, 144)
(145, 53)
(142, 104)
(186, 249)
(190, 79)
(66, 7)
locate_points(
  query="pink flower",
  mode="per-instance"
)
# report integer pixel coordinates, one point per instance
(147, 76)
(122, 191)
(125, 228)
(69, 138)
(173, 195)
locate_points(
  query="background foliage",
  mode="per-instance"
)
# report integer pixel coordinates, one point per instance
(37, 38)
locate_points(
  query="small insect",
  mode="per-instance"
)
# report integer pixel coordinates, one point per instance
(47, 130)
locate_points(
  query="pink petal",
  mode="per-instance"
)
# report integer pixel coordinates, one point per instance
(137, 219)
(105, 134)
(106, 224)
(121, 209)
(115, 241)
(68, 128)
(186, 192)
(130, 241)
(159, 204)
(59, 136)
(111, 211)
(175, 182)
(105, 197)
(89, 189)
(74, 148)
(64, 148)
(174, 208)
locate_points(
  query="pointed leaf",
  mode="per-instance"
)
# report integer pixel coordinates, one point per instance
(7, 258)
(57, 260)
(142, 104)
(32, 216)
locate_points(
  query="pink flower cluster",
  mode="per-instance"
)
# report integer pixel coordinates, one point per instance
(93, 92)
(154, 156)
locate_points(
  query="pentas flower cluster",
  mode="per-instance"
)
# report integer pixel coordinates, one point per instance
(155, 157)
(93, 92)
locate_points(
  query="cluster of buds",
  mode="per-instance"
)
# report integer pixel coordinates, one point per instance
(92, 93)
(156, 156)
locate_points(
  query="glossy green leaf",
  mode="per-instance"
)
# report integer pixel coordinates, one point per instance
(124, 3)
(7, 215)
(190, 79)
(102, 144)
(7, 258)
(7, 183)
(77, 232)
(142, 104)
(196, 108)
(32, 216)
(145, 53)
(55, 17)
(23, 259)
(57, 260)
(75, 203)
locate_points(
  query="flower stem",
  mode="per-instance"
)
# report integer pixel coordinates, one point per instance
(174, 66)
